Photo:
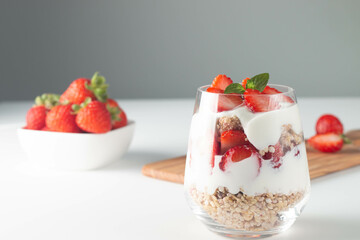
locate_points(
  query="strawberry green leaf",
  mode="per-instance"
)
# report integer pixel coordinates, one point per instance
(114, 112)
(235, 88)
(75, 108)
(258, 82)
(99, 87)
(86, 102)
(345, 139)
(49, 100)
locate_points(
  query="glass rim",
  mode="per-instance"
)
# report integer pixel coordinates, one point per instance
(289, 90)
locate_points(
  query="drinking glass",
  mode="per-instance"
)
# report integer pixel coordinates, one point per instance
(246, 168)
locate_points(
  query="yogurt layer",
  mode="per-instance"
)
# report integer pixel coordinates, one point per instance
(292, 176)
(262, 130)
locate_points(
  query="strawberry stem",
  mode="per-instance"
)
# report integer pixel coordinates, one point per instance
(49, 100)
(76, 107)
(114, 112)
(345, 139)
(98, 86)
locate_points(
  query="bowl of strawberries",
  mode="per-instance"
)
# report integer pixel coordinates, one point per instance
(82, 129)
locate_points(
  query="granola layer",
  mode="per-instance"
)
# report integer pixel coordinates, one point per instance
(242, 212)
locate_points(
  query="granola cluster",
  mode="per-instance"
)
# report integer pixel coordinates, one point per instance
(227, 123)
(289, 138)
(242, 212)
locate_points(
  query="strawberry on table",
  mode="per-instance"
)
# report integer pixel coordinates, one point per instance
(118, 115)
(35, 118)
(232, 138)
(61, 119)
(236, 154)
(328, 142)
(221, 82)
(329, 123)
(93, 116)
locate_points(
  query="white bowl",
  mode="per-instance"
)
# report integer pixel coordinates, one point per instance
(75, 151)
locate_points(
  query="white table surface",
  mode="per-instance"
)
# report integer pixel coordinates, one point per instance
(117, 202)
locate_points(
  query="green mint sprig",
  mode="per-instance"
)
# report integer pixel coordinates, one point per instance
(257, 82)
(235, 88)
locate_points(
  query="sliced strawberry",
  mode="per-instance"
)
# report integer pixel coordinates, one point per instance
(328, 142)
(283, 98)
(258, 102)
(229, 101)
(221, 82)
(215, 151)
(329, 124)
(244, 81)
(236, 154)
(226, 102)
(232, 138)
(270, 90)
(214, 90)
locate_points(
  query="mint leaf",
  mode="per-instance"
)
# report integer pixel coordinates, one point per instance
(235, 88)
(258, 82)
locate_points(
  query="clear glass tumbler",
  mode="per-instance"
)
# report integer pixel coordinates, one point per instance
(246, 169)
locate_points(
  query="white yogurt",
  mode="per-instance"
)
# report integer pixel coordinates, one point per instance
(292, 176)
(262, 130)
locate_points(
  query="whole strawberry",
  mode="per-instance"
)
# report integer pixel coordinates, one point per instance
(327, 142)
(61, 119)
(118, 116)
(93, 117)
(329, 124)
(77, 92)
(35, 118)
(83, 88)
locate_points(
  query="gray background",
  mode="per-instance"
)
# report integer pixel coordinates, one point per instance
(159, 49)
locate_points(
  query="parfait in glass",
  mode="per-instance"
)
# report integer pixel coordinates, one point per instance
(246, 168)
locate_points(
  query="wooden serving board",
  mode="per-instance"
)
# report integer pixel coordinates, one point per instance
(320, 164)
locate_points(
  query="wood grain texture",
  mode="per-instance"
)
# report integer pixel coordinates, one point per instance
(320, 164)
